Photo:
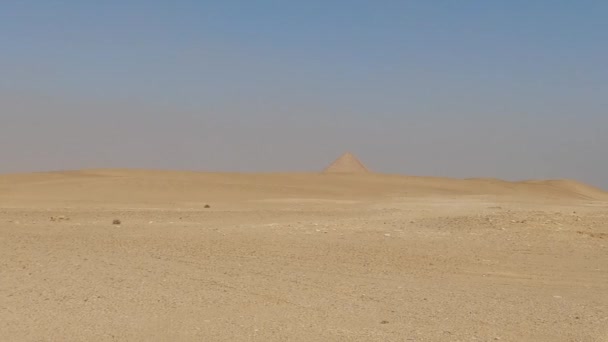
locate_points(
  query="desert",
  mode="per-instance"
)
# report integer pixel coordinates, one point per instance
(303, 171)
(149, 255)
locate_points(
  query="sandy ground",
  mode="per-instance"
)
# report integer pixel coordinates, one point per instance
(299, 258)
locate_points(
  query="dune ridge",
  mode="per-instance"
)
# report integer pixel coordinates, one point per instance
(118, 185)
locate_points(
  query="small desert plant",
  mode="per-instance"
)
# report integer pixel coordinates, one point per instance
(116, 222)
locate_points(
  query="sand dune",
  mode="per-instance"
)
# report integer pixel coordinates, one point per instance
(151, 186)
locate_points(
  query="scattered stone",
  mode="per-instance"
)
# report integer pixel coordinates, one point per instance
(384, 322)
(207, 206)
(59, 218)
(116, 222)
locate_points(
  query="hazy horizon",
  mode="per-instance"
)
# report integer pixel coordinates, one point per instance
(513, 90)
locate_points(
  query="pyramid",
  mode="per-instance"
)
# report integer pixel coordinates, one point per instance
(347, 163)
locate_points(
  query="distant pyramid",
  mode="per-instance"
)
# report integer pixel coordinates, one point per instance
(348, 163)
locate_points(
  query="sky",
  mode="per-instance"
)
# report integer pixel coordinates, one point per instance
(501, 89)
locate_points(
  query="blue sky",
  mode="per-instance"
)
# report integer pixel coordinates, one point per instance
(508, 89)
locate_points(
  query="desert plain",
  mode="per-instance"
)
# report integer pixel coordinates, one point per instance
(300, 257)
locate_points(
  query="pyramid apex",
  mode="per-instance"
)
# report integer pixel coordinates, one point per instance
(347, 163)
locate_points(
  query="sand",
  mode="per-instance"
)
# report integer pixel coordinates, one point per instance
(300, 257)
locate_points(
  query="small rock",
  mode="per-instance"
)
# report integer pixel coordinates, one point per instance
(384, 322)
(116, 222)
(59, 218)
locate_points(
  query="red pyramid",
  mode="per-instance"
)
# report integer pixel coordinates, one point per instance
(347, 163)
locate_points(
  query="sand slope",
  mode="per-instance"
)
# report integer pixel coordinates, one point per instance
(145, 186)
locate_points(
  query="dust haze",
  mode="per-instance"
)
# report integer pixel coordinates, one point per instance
(41, 133)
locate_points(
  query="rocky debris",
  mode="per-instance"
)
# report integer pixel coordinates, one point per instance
(593, 234)
(59, 218)
(116, 222)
